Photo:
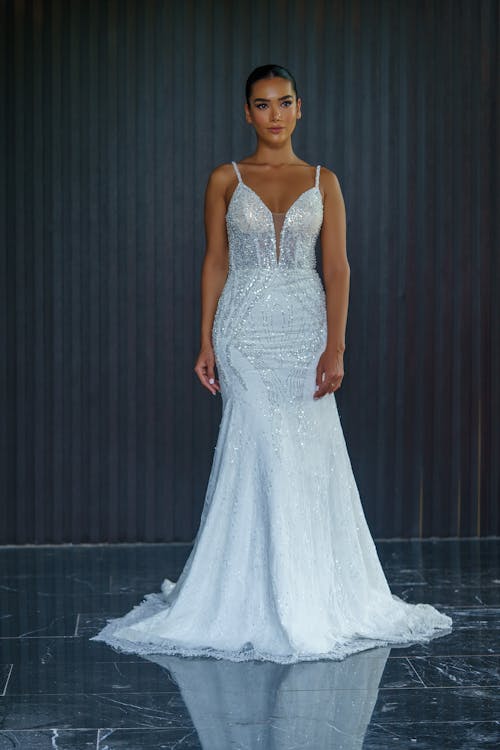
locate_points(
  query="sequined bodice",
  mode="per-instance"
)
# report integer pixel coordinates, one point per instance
(260, 239)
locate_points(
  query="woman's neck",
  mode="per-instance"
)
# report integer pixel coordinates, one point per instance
(276, 157)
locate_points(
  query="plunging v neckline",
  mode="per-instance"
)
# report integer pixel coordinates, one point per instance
(272, 214)
(278, 213)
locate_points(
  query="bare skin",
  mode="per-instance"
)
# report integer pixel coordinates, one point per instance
(278, 176)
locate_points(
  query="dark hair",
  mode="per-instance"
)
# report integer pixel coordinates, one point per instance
(268, 71)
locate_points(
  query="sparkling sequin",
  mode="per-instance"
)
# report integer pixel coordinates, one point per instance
(283, 566)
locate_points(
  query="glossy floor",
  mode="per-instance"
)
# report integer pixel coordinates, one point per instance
(60, 690)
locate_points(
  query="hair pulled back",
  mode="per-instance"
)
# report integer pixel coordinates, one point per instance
(268, 71)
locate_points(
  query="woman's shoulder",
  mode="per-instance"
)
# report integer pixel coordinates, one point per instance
(222, 172)
(326, 172)
(221, 178)
(328, 179)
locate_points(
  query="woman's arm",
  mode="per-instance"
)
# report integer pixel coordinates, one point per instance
(336, 276)
(214, 272)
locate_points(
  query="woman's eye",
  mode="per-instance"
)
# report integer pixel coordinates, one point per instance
(286, 103)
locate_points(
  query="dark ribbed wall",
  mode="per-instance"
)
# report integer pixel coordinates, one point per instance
(113, 115)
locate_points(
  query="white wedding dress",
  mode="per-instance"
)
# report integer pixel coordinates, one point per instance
(283, 567)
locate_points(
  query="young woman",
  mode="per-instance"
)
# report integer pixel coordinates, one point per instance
(283, 567)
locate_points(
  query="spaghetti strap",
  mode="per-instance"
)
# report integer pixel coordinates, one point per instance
(316, 184)
(237, 171)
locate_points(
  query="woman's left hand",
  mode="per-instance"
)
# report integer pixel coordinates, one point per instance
(329, 372)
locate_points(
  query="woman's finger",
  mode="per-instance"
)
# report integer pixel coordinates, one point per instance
(206, 375)
(328, 386)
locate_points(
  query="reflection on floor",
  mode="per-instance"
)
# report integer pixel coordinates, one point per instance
(60, 690)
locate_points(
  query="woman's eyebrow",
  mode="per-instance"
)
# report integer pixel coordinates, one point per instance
(260, 99)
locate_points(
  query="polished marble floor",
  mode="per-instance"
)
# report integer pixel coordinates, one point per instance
(60, 690)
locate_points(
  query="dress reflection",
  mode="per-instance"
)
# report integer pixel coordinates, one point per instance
(263, 704)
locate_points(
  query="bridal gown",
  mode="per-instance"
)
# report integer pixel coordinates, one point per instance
(283, 567)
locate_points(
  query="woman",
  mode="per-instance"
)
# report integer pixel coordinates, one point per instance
(283, 567)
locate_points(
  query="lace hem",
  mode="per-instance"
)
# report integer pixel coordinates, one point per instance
(435, 625)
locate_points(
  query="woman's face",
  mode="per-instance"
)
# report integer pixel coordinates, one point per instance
(274, 109)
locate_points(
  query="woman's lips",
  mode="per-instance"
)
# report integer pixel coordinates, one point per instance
(275, 130)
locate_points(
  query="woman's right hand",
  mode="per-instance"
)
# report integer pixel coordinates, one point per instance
(205, 369)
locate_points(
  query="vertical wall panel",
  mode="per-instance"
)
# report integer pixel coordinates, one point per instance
(113, 113)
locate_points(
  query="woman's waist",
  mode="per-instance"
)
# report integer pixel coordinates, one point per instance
(255, 295)
(259, 279)
(272, 273)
